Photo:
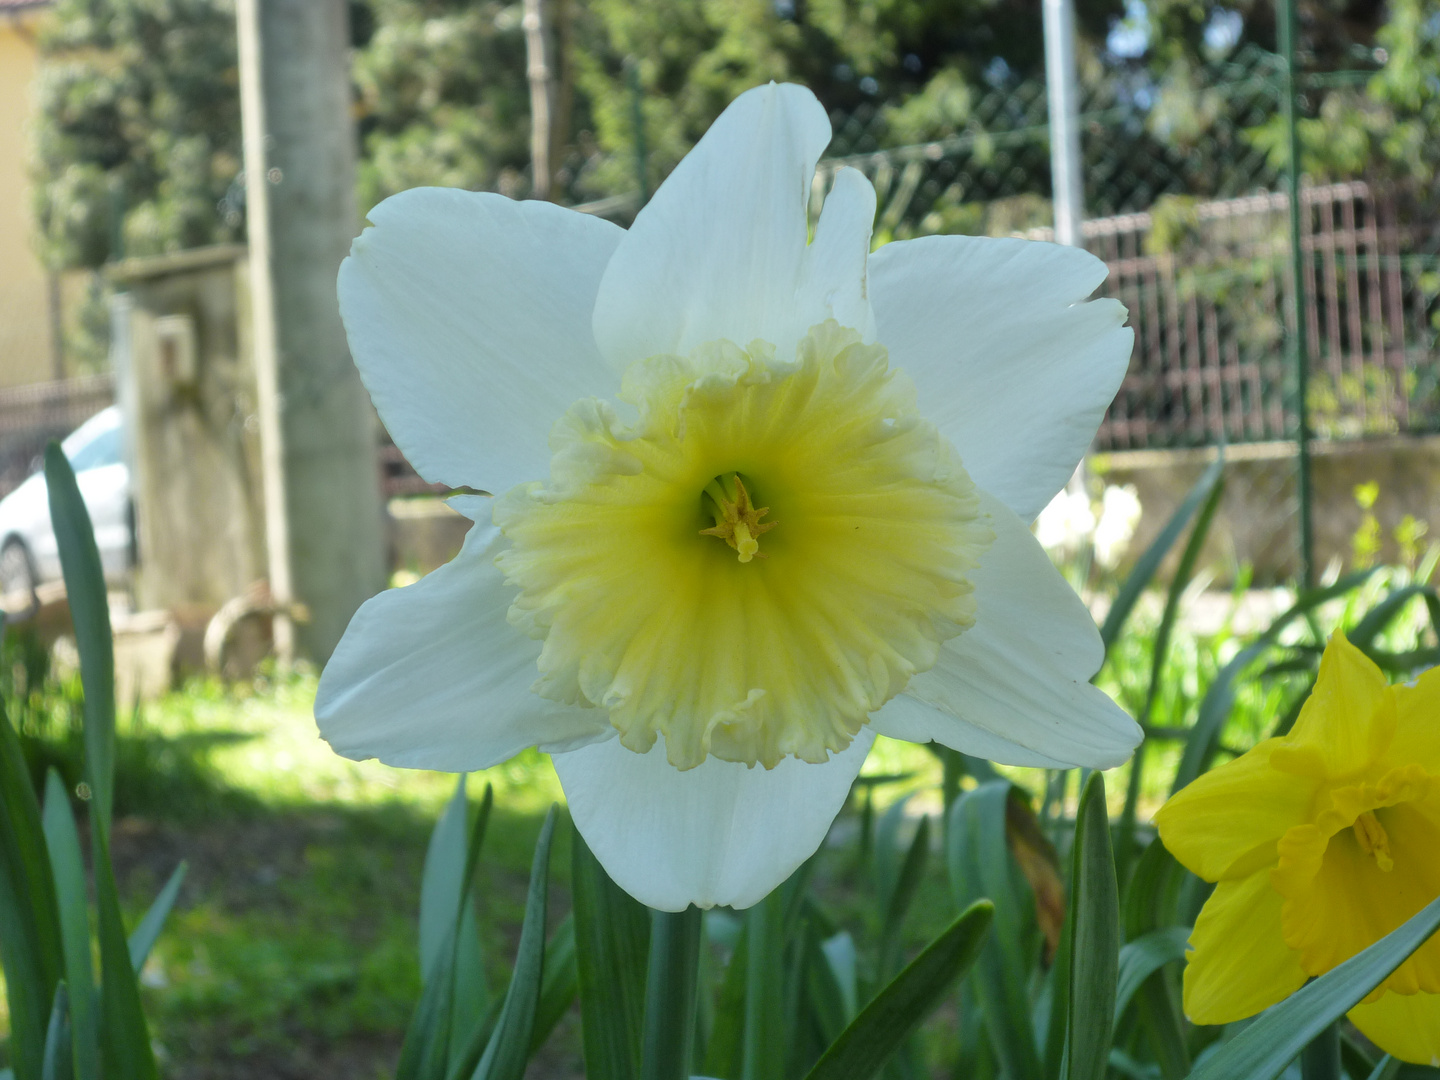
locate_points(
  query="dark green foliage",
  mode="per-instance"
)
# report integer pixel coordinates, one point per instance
(138, 145)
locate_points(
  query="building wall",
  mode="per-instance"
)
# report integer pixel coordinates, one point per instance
(26, 346)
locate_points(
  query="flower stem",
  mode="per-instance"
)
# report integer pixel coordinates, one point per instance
(670, 994)
(1321, 1059)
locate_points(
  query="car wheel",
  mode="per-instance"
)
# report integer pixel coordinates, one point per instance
(17, 578)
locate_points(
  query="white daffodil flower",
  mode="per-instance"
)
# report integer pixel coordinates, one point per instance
(804, 522)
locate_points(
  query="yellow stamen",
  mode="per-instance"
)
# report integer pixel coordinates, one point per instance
(1374, 840)
(737, 520)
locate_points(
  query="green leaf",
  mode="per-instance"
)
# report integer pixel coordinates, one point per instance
(670, 990)
(763, 1054)
(1215, 706)
(1321, 1059)
(1094, 938)
(830, 973)
(56, 1065)
(144, 936)
(1266, 1047)
(907, 884)
(125, 1052)
(1375, 621)
(1152, 893)
(509, 1046)
(980, 865)
(444, 891)
(1144, 956)
(883, 1025)
(612, 939)
(442, 881)
(1160, 651)
(31, 950)
(558, 989)
(432, 1046)
(90, 613)
(1149, 563)
(725, 1052)
(73, 897)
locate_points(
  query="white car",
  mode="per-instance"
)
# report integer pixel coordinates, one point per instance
(29, 555)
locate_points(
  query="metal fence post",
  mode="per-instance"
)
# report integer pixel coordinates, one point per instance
(1299, 347)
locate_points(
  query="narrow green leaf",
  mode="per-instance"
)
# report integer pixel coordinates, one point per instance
(31, 950)
(612, 939)
(1215, 706)
(763, 1056)
(907, 884)
(829, 967)
(73, 898)
(442, 881)
(57, 1063)
(1094, 918)
(1164, 1026)
(1375, 621)
(1149, 563)
(843, 961)
(509, 1046)
(90, 614)
(889, 854)
(980, 865)
(670, 989)
(1266, 1047)
(432, 1045)
(883, 1025)
(125, 1052)
(1321, 1059)
(1160, 652)
(1387, 1068)
(144, 936)
(558, 989)
(1152, 893)
(725, 1052)
(1144, 956)
(444, 891)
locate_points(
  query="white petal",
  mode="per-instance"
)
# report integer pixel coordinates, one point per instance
(469, 318)
(1015, 687)
(720, 833)
(1010, 365)
(834, 280)
(720, 252)
(431, 676)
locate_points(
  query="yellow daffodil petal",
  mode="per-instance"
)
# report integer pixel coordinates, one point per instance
(765, 558)
(1239, 963)
(1417, 731)
(1365, 865)
(1348, 721)
(1226, 823)
(1406, 1026)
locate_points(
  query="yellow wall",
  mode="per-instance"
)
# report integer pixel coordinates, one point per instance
(26, 354)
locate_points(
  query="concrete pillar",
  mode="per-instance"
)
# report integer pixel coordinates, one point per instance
(323, 507)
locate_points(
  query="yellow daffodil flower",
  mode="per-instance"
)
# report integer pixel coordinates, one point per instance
(785, 503)
(1321, 842)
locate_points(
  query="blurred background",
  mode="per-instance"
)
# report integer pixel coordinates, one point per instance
(1302, 337)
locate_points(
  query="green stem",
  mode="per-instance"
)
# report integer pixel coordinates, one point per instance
(670, 988)
(1321, 1059)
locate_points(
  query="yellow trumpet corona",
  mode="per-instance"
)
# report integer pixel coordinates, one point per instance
(1320, 843)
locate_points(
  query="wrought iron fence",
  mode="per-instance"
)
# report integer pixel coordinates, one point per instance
(30, 416)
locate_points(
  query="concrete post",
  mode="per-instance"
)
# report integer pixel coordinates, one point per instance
(323, 510)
